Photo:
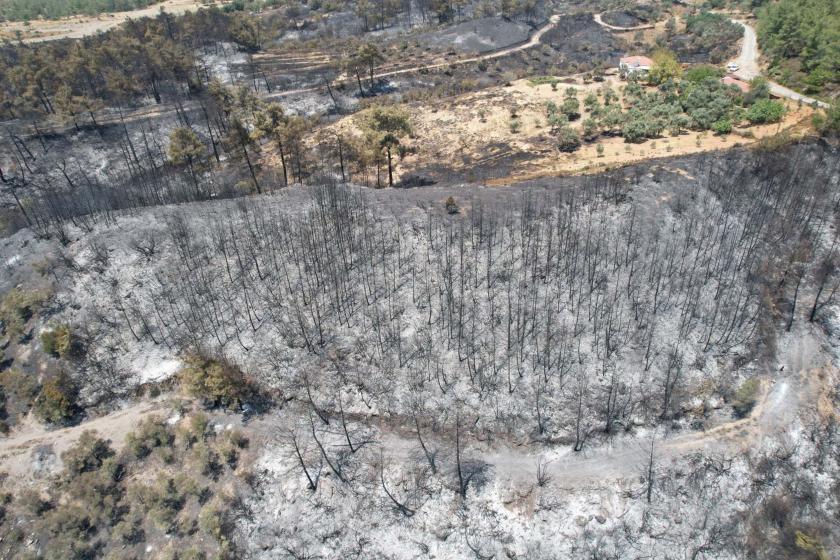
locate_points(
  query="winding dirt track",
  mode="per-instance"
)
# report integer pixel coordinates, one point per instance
(749, 68)
(781, 401)
(600, 21)
(747, 60)
(156, 111)
(17, 449)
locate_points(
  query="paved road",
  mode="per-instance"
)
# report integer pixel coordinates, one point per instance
(749, 68)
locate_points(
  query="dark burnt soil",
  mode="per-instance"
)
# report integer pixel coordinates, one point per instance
(478, 36)
(578, 45)
(673, 178)
(498, 160)
(689, 50)
(579, 39)
(622, 19)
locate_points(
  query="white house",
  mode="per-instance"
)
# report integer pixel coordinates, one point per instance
(633, 64)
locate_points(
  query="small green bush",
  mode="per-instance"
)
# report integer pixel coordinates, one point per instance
(568, 139)
(192, 553)
(150, 434)
(18, 306)
(451, 206)
(828, 123)
(193, 429)
(129, 530)
(214, 381)
(571, 108)
(57, 401)
(699, 73)
(765, 111)
(61, 342)
(32, 502)
(87, 455)
(206, 460)
(542, 80)
(723, 126)
(745, 397)
(20, 388)
(210, 520)
(163, 499)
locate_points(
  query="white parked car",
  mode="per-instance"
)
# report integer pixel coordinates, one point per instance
(732, 67)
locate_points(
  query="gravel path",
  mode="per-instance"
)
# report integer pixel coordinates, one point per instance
(600, 21)
(749, 68)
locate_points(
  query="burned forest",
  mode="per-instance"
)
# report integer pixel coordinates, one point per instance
(408, 280)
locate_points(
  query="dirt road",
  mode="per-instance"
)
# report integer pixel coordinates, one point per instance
(158, 111)
(801, 379)
(749, 67)
(747, 61)
(17, 452)
(600, 21)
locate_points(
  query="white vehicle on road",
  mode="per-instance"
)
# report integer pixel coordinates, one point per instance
(732, 67)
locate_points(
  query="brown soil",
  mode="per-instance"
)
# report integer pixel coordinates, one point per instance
(16, 451)
(474, 136)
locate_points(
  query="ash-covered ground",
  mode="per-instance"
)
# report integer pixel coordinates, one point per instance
(548, 370)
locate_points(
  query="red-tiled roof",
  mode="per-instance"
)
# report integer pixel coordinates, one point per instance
(637, 61)
(733, 81)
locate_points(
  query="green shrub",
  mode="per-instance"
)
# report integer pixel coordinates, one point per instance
(568, 139)
(571, 108)
(150, 434)
(20, 388)
(828, 123)
(57, 401)
(745, 397)
(210, 520)
(205, 460)
(99, 491)
(87, 455)
(699, 73)
(765, 111)
(17, 307)
(228, 445)
(542, 80)
(129, 530)
(451, 206)
(193, 429)
(723, 126)
(61, 342)
(634, 130)
(214, 381)
(32, 502)
(591, 129)
(163, 499)
(70, 527)
(192, 553)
